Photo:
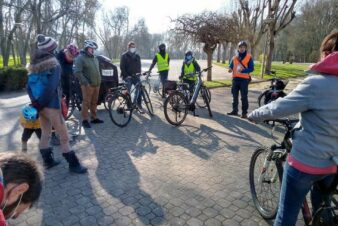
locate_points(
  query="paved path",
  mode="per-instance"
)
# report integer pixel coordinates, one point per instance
(148, 173)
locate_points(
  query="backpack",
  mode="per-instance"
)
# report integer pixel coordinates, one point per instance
(37, 83)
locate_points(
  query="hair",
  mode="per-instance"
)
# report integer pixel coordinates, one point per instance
(19, 168)
(329, 44)
(131, 43)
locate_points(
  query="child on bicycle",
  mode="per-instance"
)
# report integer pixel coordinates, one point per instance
(315, 141)
(30, 124)
(189, 69)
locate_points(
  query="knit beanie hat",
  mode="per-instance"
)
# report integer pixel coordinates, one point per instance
(46, 43)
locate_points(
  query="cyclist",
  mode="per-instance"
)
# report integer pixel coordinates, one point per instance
(189, 69)
(44, 91)
(240, 66)
(162, 59)
(130, 65)
(88, 72)
(20, 184)
(315, 140)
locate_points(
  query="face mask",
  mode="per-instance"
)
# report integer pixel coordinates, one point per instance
(132, 50)
(8, 209)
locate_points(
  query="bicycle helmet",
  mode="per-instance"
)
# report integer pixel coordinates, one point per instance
(162, 46)
(188, 57)
(242, 43)
(29, 113)
(72, 48)
(90, 44)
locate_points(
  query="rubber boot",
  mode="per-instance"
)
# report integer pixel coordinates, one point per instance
(48, 158)
(74, 164)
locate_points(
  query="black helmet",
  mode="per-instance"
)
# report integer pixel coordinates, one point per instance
(188, 57)
(188, 53)
(242, 43)
(162, 46)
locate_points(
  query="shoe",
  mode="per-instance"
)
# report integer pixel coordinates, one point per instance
(244, 116)
(232, 113)
(140, 109)
(86, 124)
(48, 158)
(54, 140)
(95, 121)
(74, 164)
(24, 146)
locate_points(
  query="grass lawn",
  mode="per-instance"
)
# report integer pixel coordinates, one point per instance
(11, 61)
(217, 83)
(282, 70)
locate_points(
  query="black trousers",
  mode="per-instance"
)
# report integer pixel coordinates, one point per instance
(27, 133)
(240, 85)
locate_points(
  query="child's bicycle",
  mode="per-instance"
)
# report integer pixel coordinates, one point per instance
(265, 177)
(275, 91)
(179, 102)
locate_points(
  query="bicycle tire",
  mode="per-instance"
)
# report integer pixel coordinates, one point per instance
(147, 101)
(147, 85)
(261, 198)
(200, 100)
(106, 100)
(324, 217)
(120, 110)
(260, 97)
(206, 100)
(176, 103)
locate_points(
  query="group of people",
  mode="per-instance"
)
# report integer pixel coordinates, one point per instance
(315, 142)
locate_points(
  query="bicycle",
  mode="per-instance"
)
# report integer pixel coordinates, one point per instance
(120, 104)
(75, 98)
(179, 102)
(265, 176)
(275, 91)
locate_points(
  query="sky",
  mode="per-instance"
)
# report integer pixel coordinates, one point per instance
(157, 13)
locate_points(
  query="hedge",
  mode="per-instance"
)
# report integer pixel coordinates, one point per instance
(13, 78)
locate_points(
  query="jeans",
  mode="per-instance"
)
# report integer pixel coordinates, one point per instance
(163, 76)
(138, 92)
(240, 85)
(295, 186)
(90, 96)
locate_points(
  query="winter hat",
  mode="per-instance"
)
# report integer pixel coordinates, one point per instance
(46, 43)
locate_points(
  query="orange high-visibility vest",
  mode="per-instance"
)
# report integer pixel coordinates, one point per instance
(238, 65)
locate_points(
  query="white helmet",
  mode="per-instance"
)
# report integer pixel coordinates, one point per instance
(90, 44)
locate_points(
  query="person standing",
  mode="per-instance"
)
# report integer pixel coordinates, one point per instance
(130, 66)
(88, 71)
(44, 74)
(189, 69)
(162, 60)
(241, 66)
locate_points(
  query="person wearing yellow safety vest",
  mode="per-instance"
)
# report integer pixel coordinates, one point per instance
(189, 69)
(241, 66)
(162, 60)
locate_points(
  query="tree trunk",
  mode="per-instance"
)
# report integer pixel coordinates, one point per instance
(232, 51)
(209, 53)
(270, 53)
(219, 52)
(224, 54)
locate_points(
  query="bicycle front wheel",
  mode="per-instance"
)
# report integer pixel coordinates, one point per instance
(147, 101)
(261, 98)
(120, 110)
(265, 182)
(200, 102)
(175, 108)
(206, 99)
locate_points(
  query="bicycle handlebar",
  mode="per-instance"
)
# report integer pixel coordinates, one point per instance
(199, 72)
(285, 122)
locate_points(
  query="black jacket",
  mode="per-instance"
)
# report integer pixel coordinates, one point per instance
(130, 64)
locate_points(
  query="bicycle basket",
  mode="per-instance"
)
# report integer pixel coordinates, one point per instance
(170, 85)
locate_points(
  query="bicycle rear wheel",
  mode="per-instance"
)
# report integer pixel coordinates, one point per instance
(120, 110)
(325, 216)
(200, 102)
(265, 181)
(147, 101)
(175, 108)
(107, 98)
(206, 99)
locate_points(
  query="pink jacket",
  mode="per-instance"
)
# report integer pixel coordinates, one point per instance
(328, 65)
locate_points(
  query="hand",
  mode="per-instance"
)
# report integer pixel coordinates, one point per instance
(230, 70)
(239, 70)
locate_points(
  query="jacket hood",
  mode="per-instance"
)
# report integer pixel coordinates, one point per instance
(328, 65)
(42, 61)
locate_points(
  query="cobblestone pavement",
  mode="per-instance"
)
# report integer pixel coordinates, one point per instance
(149, 173)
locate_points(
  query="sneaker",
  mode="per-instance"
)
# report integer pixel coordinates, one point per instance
(140, 109)
(244, 116)
(96, 121)
(86, 124)
(232, 113)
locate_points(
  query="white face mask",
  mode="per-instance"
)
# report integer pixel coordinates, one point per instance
(132, 50)
(14, 211)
